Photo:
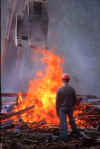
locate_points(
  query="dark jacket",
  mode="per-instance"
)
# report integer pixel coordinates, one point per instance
(65, 97)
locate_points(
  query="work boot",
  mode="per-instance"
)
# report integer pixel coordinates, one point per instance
(98, 127)
(75, 133)
(64, 137)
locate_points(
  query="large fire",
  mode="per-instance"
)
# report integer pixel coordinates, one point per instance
(42, 90)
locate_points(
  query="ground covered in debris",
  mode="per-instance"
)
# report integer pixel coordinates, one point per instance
(44, 138)
(41, 135)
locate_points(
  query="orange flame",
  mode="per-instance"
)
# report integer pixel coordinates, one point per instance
(42, 90)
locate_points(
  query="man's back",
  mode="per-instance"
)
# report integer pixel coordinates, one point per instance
(66, 97)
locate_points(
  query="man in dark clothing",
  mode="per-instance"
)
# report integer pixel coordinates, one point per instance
(65, 101)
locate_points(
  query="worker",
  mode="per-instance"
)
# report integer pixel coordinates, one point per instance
(65, 102)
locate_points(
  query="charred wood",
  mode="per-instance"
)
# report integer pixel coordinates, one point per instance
(8, 115)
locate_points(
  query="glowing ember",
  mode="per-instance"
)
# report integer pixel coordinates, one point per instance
(42, 90)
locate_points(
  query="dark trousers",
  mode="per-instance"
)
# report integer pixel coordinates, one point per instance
(63, 127)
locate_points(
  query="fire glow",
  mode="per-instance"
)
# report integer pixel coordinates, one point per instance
(42, 90)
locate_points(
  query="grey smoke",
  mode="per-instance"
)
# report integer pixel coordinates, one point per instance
(74, 29)
(77, 30)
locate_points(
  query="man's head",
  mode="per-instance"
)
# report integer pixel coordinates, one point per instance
(65, 78)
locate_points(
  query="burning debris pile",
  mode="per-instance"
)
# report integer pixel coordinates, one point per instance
(42, 90)
(42, 136)
(33, 122)
(91, 116)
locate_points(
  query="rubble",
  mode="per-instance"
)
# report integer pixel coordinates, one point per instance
(41, 135)
(43, 138)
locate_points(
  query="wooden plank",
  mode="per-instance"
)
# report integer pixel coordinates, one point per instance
(12, 94)
(25, 94)
(8, 115)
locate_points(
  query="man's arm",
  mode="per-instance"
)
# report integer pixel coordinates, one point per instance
(58, 101)
(76, 99)
(74, 96)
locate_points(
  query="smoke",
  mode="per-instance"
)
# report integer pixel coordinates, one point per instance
(15, 79)
(74, 29)
(76, 25)
(18, 78)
